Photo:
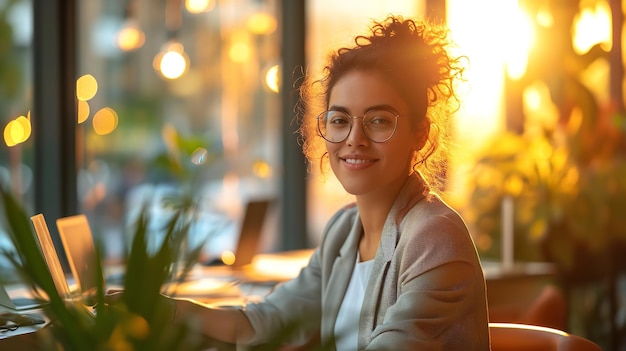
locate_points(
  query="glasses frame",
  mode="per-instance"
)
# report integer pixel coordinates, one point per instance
(362, 117)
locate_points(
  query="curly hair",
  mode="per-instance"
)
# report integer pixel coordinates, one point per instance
(415, 58)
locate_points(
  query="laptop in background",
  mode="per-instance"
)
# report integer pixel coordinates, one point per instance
(20, 300)
(81, 253)
(222, 281)
(250, 232)
(17, 299)
(50, 255)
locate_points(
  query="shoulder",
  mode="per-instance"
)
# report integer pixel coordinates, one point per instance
(433, 226)
(434, 214)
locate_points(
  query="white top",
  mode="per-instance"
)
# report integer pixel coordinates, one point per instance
(347, 324)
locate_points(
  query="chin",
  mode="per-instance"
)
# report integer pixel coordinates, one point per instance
(355, 189)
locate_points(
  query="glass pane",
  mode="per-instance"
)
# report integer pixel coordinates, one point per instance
(16, 158)
(186, 103)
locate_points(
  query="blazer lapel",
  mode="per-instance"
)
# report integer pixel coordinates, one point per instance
(371, 312)
(340, 277)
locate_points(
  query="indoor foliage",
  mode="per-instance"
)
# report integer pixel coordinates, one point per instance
(141, 319)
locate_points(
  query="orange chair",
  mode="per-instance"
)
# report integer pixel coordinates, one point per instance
(525, 337)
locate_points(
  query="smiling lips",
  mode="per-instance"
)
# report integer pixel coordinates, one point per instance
(358, 163)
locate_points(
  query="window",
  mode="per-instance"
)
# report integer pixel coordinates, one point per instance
(186, 100)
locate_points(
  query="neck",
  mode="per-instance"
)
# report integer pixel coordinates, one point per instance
(373, 210)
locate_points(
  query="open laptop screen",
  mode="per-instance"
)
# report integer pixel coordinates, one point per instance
(250, 232)
(50, 255)
(79, 247)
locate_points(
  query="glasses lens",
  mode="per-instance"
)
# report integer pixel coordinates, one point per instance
(379, 125)
(334, 126)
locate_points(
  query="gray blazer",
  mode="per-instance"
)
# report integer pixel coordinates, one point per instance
(426, 290)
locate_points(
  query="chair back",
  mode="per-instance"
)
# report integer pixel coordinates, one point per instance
(524, 337)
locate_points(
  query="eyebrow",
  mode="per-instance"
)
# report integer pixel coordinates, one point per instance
(385, 107)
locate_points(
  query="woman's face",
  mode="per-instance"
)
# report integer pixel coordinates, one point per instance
(362, 166)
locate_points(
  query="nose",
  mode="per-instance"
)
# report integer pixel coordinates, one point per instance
(357, 133)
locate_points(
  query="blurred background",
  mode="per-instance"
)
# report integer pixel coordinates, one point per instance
(111, 106)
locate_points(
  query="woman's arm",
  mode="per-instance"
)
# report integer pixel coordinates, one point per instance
(228, 325)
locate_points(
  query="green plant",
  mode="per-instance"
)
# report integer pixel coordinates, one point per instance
(139, 320)
(569, 194)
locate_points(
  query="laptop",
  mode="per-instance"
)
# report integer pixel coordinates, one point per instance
(17, 299)
(78, 244)
(50, 255)
(220, 279)
(81, 253)
(250, 232)
(20, 299)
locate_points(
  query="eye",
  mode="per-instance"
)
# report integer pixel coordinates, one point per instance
(337, 119)
(380, 118)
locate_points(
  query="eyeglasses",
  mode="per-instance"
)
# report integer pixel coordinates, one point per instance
(378, 125)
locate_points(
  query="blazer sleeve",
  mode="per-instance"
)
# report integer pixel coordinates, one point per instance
(293, 307)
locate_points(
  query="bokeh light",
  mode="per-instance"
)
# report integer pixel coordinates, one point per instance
(262, 23)
(83, 111)
(86, 87)
(17, 130)
(272, 78)
(130, 37)
(105, 121)
(172, 62)
(228, 257)
(199, 6)
(262, 169)
(239, 52)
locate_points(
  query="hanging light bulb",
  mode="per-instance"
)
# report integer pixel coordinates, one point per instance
(199, 6)
(172, 61)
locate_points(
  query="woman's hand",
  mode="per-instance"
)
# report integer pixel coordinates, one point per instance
(167, 305)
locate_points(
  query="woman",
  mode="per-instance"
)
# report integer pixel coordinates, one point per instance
(398, 269)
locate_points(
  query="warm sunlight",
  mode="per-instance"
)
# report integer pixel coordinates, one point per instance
(519, 43)
(593, 26)
(487, 44)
